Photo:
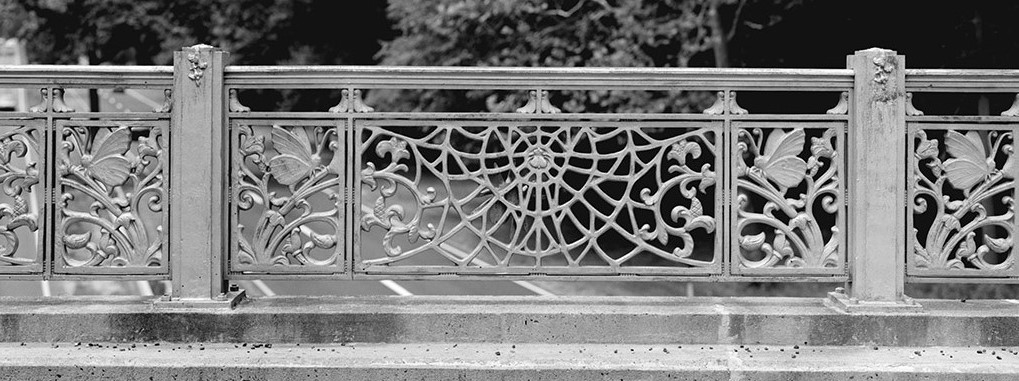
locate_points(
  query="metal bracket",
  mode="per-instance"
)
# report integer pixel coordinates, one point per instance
(910, 110)
(228, 300)
(351, 101)
(842, 107)
(538, 103)
(839, 301)
(235, 105)
(1014, 110)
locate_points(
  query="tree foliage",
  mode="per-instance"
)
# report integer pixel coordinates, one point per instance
(559, 33)
(148, 31)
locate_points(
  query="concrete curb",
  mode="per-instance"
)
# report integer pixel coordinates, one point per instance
(581, 320)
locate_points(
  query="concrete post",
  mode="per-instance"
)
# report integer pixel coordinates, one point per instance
(198, 180)
(877, 183)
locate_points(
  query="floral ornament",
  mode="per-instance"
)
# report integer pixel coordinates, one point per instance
(545, 194)
(280, 236)
(15, 181)
(952, 230)
(112, 231)
(796, 237)
(387, 182)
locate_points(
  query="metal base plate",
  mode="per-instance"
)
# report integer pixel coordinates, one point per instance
(228, 301)
(841, 302)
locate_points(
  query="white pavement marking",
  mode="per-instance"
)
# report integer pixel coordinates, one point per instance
(522, 283)
(142, 98)
(46, 291)
(144, 288)
(533, 288)
(396, 288)
(1013, 301)
(263, 288)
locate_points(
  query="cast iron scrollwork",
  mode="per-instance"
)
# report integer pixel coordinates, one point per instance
(972, 195)
(783, 201)
(545, 195)
(111, 196)
(277, 179)
(18, 177)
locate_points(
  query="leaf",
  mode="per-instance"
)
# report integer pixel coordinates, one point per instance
(998, 245)
(751, 242)
(337, 163)
(394, 147)
(781, 245)
(821, 147)
(967, 248)
(324, 241)
(645, 233)
(679, 151)
(927, 148)
(77, 241)
(708, 178)
(13, 147)
(703, 222)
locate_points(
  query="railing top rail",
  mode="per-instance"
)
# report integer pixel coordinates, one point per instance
(521, 78)
(86, 76)
(962, 80)
(510, 78)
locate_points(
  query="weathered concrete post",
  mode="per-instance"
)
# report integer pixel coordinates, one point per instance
(197, 180)
(877, 184)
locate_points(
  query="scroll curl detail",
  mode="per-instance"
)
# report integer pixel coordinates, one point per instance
(780, 195)
(111, 196)
(546, 195)
(963, 197)
(276, 178)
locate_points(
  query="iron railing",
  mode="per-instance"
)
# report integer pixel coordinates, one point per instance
(206, 190)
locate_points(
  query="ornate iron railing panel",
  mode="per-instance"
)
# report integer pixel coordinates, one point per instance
(787, 198)
(543, 197)
(22, 200)
(962, 197)
(287, 190)
(110, 198)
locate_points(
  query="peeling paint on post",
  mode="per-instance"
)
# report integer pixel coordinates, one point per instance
(877, 179)
(197, 188)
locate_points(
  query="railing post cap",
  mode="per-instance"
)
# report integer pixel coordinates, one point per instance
(200, 47)
(876, 50)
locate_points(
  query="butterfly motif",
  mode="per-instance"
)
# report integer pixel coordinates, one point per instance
(106, 163)
(295, 161)
(970, 164)
(779, 161)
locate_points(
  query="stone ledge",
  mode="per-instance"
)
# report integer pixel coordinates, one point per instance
(500, 361)
(563, 320)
